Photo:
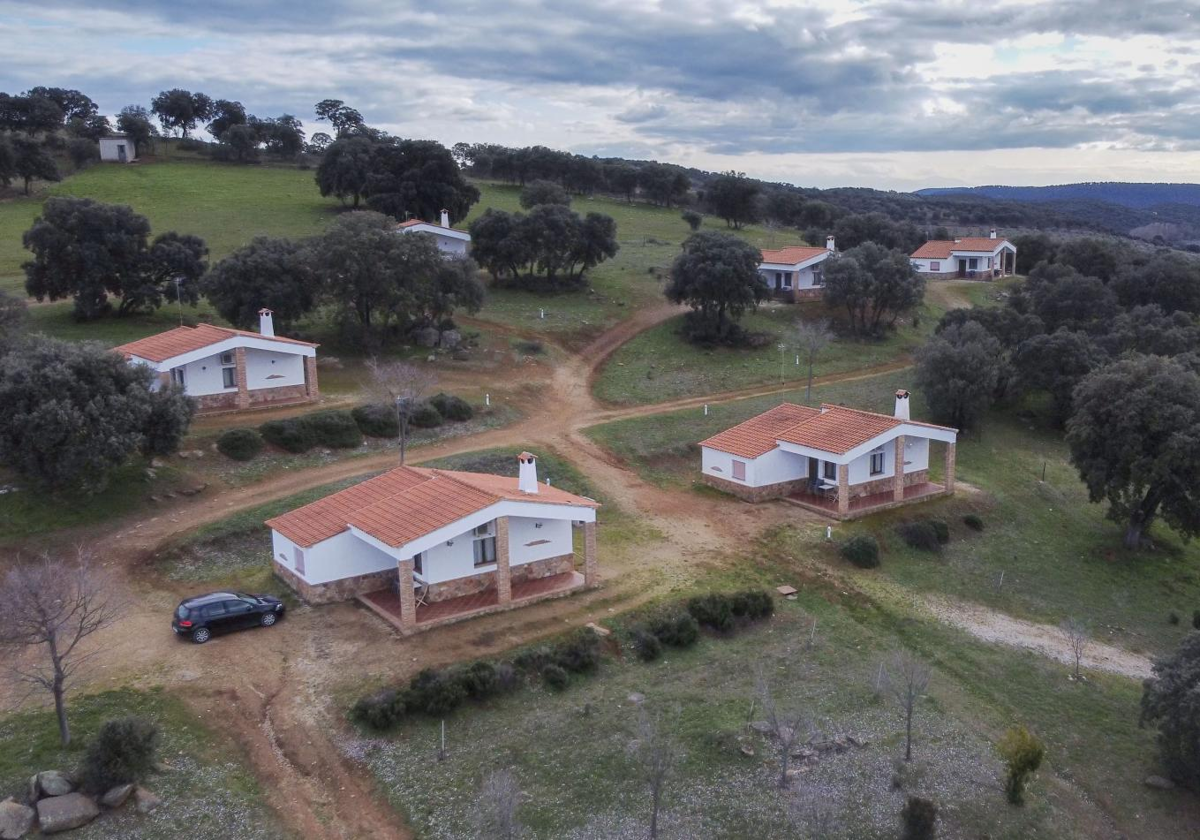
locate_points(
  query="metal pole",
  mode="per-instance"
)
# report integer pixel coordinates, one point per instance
(179, 300)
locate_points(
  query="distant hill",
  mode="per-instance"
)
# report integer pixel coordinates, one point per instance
(1140, 196)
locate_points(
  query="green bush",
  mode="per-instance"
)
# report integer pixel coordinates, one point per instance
(240, 444)
(381, 710)
(941, 529)
(675, 628)
(436, 693)
(920, 535)
(534, 659)
(1023, 753)
(425, 416)
(555, 677)
(335, 429)
(580, 653)
(713, 611)
(862, 550)
(918, 819)
(291, 434)
(454, 409)
(646, 645)
(753, 604)
(973, 522)
(121, 753)
(376, 420)
(480, 680)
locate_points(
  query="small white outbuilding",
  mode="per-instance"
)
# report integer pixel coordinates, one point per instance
(118, 148)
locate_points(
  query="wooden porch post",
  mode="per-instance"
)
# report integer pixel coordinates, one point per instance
(243, 390)
(949, 470)
(503, 573)
(591, 570)
(898, 478)
(408, 600)
(843, 488)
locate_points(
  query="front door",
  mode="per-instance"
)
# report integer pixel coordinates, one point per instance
(121, 152)
(814, 470)
(962, 268)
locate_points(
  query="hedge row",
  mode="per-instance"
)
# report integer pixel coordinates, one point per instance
(379, 419)
(679, 625)
(335, 429)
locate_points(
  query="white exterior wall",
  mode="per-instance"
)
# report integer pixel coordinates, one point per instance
(204, 376)
(916, 457)
(947, 265)
(109, 145)
(341, 556)
(449, 245)
(268, 369)
(801, 278)
(772, 467)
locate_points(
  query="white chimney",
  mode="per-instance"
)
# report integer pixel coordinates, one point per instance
(829, 246)
(902, 405)
(527, 476)
(992, 234)
(266, 323)
(446, 219)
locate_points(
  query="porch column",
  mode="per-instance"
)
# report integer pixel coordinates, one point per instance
(898, 478)
(843, 488)
(408, 601)
(949, 470)
(591, 569)
(310, 378)
(503, 575)
(243, 392)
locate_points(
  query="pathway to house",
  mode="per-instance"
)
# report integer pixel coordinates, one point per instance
(270, 690)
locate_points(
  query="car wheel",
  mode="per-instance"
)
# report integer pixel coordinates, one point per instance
(201, 635)
(268, 619)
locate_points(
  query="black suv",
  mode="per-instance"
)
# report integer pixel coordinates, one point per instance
(217, 612)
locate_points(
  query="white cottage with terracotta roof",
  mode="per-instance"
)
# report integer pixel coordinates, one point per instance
(425, 546)
(838, 461)
(795, 272)
(973, 256)
(229, 370)
(450, 240)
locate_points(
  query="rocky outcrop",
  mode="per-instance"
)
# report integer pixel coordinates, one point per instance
(145, 800)
(50, 783)
(63, 813)
(117, 796)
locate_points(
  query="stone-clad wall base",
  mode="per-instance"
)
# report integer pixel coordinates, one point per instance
(336, 590)
(460, 587)
(543, 568)
(754, 494)
(264, 398)
(882, 485)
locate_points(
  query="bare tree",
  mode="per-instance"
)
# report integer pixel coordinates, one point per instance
(53, 604)
(403, 385)
(784, 727)
(496, 814)
(1078, 637)
(907, 680)
(811, 338)
(656, 756)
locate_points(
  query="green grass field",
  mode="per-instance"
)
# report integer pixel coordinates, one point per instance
(660, 364)
(206, 790)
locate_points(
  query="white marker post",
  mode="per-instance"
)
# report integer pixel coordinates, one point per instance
(487, 399)
(706, 409)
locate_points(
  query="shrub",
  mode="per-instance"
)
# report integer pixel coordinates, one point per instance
(920, 535)
(381, 710)
(121, 753)
(1169, 705)
(675, 628)
(436, 693)
(753, 604)
(862, 550)
(335, 429)
(941, 529)
(1023, 753)
(531, 347)
(973, 522)
(425, 416)
(1196, 619)
(291, 434)
(579, 654)
(480, 680)
(533, 659)
(713, 611)
(918, 819)
(692, 218)
(240, 444)
(454, 409)
(1172, 617)
(378, 421)
(555, 677)
(646, 645)
(506, 677)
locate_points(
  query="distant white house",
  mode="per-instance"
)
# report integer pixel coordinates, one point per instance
(973, 256)
(118, 148)
(839, 461)
(450, 240)
(423, 546)
(795, 272)
(229, 370)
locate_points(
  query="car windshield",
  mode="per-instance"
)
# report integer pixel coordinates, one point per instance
(182, 612)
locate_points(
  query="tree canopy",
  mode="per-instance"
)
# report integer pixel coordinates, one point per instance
(417, 179)
(345, 168)
(1135, 440)
(874, 284)
(550, 247)
(734, 198)
(181, 110)
(716, 274)
(134, 121)
(271, 273)
(32, 161)
(543, 192)
(1171, 701)
(957, 371)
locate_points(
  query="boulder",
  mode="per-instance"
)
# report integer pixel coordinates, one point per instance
(145, 800)
(427, 337)
(1159, 783)
(54, 783)
(117, 796)
(16, 820)
(451, 339)
(62, 813)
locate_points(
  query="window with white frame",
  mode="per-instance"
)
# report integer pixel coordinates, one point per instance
(484, 544)
(228, 370)
(877, 462)
(935, 266)
(177, 376)
(818, 276)
(298, 558)
(739, 470)
(830, 470)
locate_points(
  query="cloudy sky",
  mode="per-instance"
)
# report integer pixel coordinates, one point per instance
(896, 94)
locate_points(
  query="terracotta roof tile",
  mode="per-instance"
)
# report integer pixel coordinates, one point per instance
(940, 249)
(792, 254)
(176, 342)
(758, 435)
(408, 502)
